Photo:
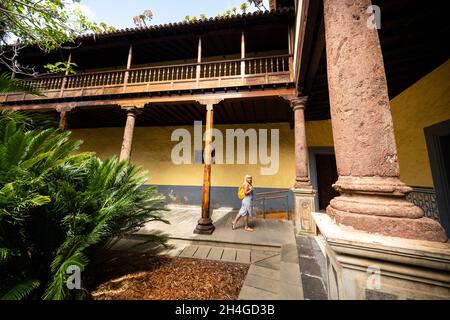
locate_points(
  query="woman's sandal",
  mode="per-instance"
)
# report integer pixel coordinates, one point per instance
(233, 225)
(248, 229)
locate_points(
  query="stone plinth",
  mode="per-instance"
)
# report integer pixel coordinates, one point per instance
(304, 205)
(368, 266)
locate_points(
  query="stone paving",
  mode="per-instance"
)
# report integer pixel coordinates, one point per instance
(269, 277)
(275, 255)
(269, 233)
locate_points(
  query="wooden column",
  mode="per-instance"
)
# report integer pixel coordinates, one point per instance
(372, 197)
(63, 117)
(125, 152)
(205, 225)
(243, 54)
(127, 73)
(199, 59)
(64, 80)
(63, 120)
(291, 51)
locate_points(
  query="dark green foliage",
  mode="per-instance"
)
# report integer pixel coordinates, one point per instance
(57, 208)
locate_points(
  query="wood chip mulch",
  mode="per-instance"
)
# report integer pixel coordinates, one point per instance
(141, 276)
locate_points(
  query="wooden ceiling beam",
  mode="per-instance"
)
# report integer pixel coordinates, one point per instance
(140, 101)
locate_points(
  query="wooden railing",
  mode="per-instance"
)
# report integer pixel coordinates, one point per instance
(160, 74)
(95, 79)
(216, 69)
(267, 65)
(260, 70)
(220, 69)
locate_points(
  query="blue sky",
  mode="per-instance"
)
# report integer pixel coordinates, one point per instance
(119, 13)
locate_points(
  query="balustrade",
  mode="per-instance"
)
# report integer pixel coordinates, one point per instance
(169, 73)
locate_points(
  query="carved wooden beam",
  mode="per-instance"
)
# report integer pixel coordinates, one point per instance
(141, 101)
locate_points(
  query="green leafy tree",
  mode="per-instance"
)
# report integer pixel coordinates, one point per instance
(48, 24)
(61, 67)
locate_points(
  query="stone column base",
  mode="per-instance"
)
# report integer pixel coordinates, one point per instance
(204, 226)
(304, 205)
(368, 266)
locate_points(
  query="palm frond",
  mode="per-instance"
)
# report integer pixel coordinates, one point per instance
(22, 290)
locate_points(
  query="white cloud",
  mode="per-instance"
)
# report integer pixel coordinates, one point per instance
(85, 9)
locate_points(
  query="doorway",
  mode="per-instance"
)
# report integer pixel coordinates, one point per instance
(326, 176)
(323, 174)
(438, 145)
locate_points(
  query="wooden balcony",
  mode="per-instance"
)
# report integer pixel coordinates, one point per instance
(205, 75)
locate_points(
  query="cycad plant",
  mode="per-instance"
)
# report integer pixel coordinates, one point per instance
(57, 208)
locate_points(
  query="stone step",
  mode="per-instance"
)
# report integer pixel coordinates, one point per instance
(216, 253)
(250, 293)
(290, 287)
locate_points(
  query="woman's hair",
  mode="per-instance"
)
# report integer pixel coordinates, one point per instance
(246, 177)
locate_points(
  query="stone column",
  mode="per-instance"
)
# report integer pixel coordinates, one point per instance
(301, 149)
(303, 190)
(372, 198)
(205, 224)
(125, 152)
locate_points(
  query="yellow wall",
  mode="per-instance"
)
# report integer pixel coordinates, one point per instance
(319, 133)
(152, 150)
(425, 103)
